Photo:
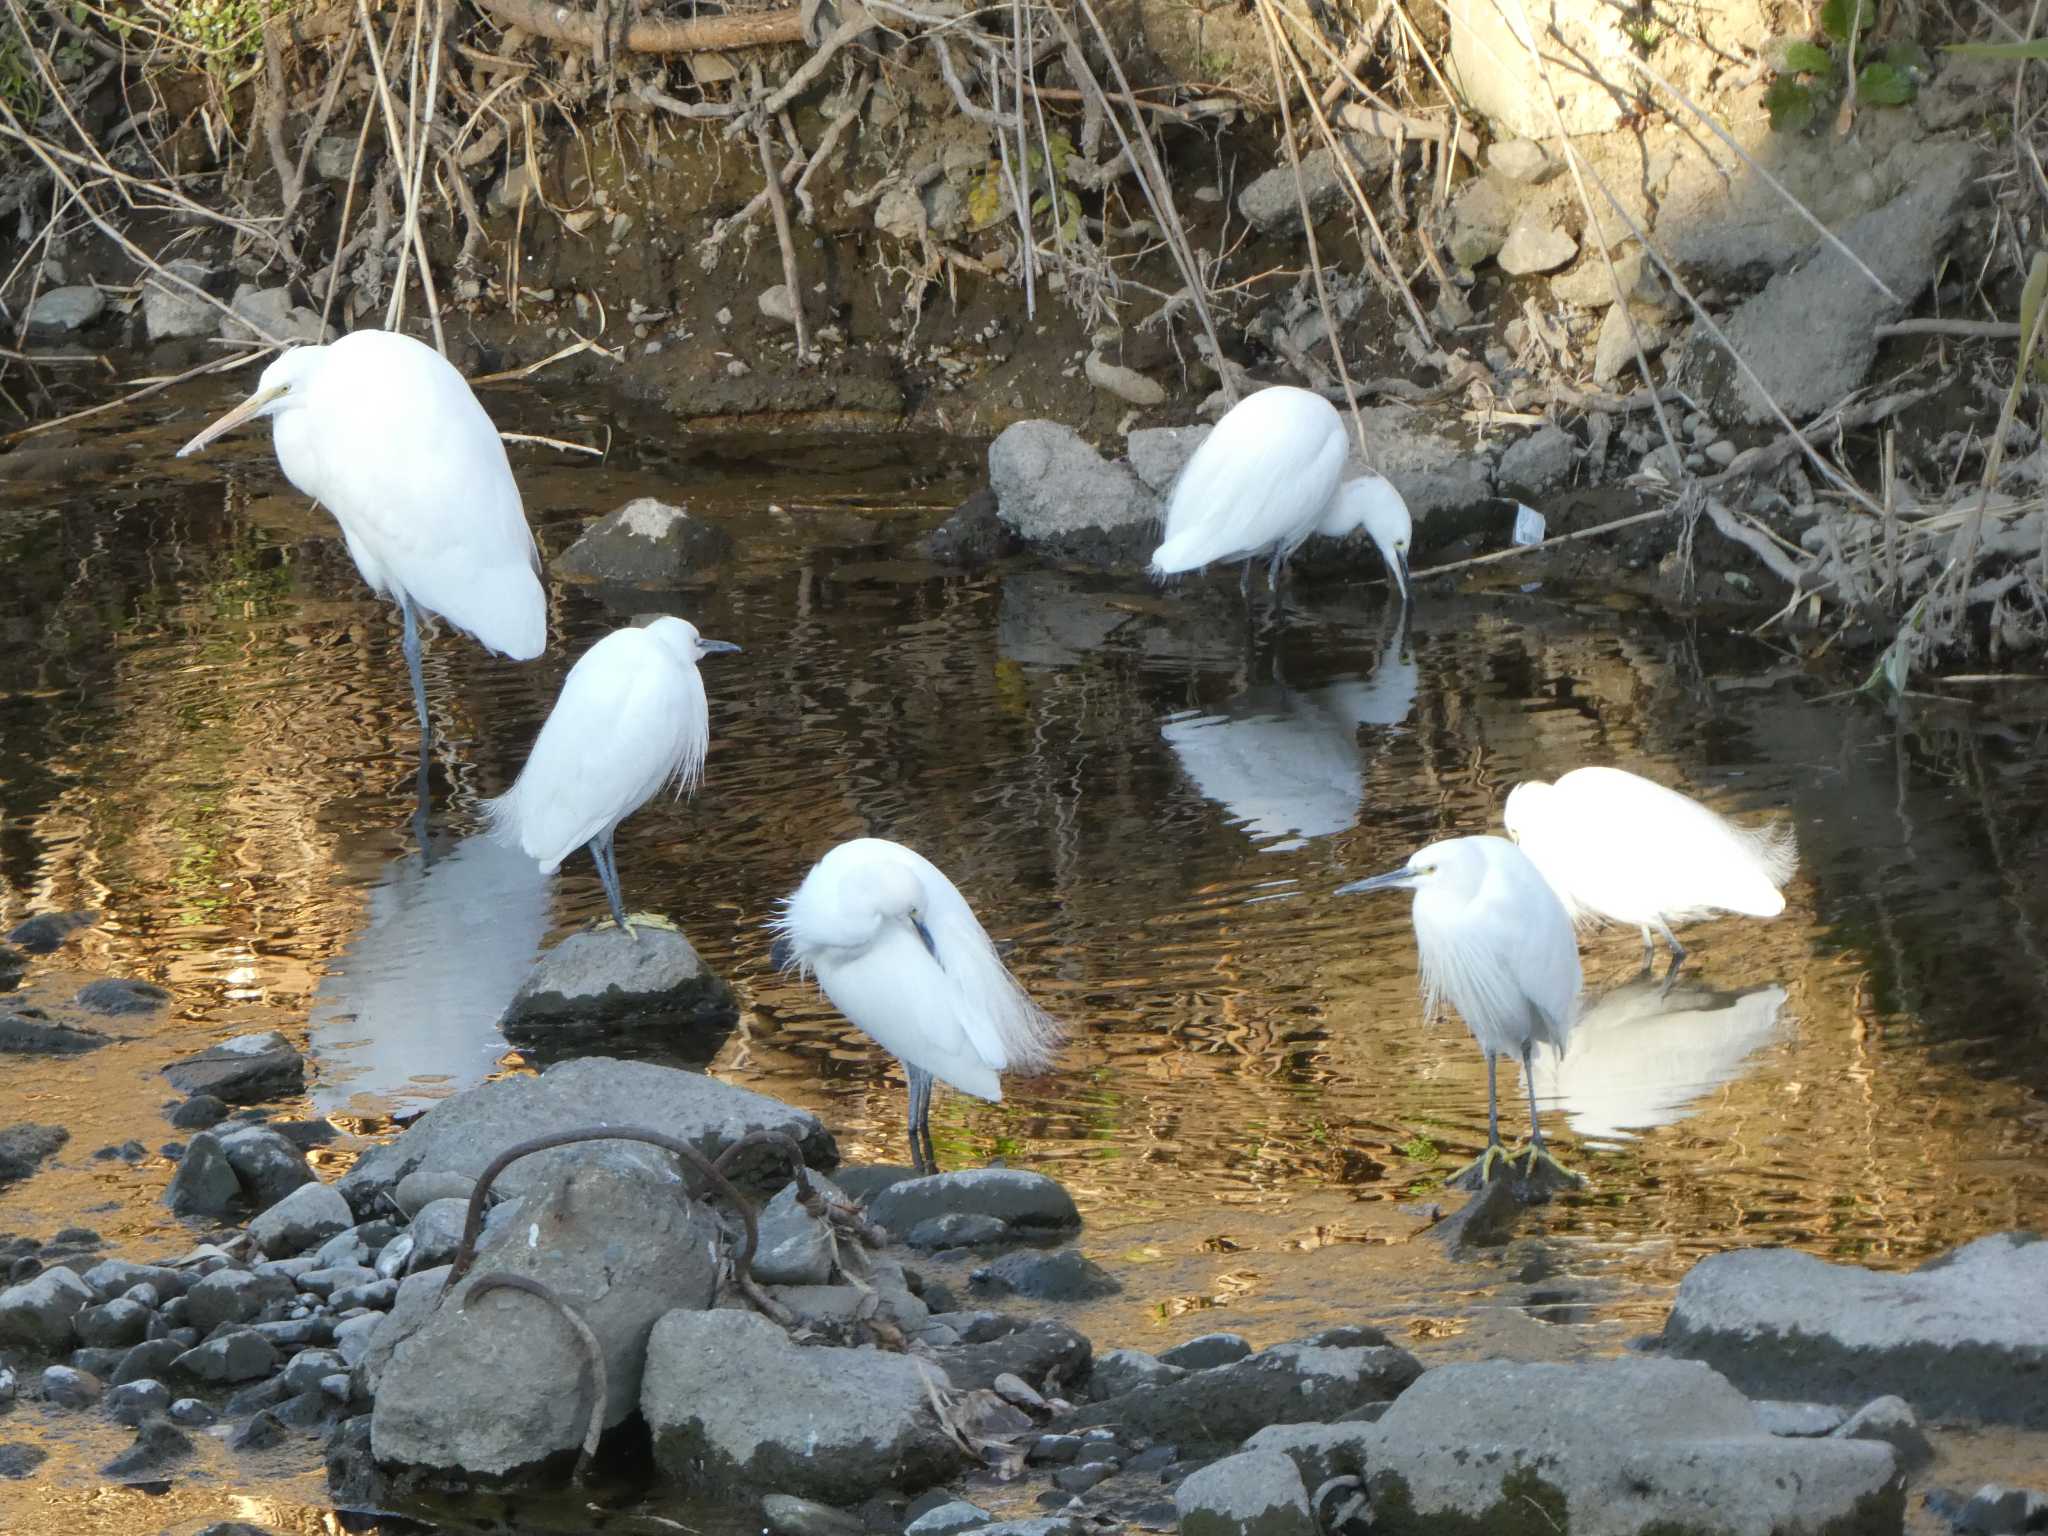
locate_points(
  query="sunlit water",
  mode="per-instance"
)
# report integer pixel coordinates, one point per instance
(205, 735)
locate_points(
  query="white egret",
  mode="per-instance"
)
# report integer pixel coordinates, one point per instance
(383, 432)
(1267, 477)
(1618, 848)
(895, 946)
(631, 718)
(1495, 943)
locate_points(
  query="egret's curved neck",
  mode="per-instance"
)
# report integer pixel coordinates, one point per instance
(298, 448)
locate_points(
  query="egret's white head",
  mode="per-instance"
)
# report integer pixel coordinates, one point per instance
(1456, 865)
(283, 387)
(1373, 504)
(1524, 804)
(680, 638)
(850, 897)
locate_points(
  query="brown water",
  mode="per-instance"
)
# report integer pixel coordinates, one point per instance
(205, 735)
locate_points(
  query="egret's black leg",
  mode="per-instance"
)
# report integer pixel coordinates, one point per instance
(1539, 1155)
(1244, 582)
(922, 1159)
(419, 677)
(419, 813)
(1677, 951)
(607, 870)
(1475, 1174)
(1649, 949)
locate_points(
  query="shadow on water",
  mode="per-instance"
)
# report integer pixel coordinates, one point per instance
(205, 734)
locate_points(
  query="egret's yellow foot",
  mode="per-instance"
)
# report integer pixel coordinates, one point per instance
(650, 920)
(1535, 1158)
(1478, 1173)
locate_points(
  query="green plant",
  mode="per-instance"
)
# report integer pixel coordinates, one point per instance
(1812, 75)
(988, 201)
(20, 86)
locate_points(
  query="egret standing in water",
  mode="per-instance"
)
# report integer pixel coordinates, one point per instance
(1618, 848)
(1495, 943)
(383, 432)
(1267, 477)
(896, 947)
(631, 719)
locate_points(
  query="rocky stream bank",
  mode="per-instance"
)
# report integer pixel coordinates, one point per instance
(615, 1270)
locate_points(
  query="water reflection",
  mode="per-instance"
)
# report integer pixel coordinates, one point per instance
(1642, 1057)
(409, 1010)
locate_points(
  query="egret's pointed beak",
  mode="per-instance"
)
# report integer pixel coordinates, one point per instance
(1392, 880)
(246, 411)
(782, 953)
(1400, 565)
(715, 647)
(926, 934)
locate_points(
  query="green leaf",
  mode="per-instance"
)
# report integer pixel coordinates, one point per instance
(2031, 295)
(1790, 104)
(1840, 17)
(1808, 59)
(1881, 85)
(1907, 55)
(1062, 151)
(985, 199)
(2018, 53)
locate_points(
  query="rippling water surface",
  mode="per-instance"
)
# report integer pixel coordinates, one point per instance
(205, 735)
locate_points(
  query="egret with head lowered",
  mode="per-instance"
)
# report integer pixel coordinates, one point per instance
(1270, 475)
(631, 720)
(1619, 848)
(897, 949)
(1494, 943)
(383, 432)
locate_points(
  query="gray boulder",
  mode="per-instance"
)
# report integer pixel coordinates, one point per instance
(1117, 1371)
(435, 1233)
(736, 1407)
(1205, 1350)
(29, 1033)
(267, 1164)
(58, 310)
(1271, 203)
(240, 1354)
(1539, 461)
(112, 1324)
(303, 1219)
(38, 1312)
(172, 312)
(416, 1191)
(1287, 1384)
(795, 1248)
(502, 1382)
(647, 544)
(1062, 497)
(205, 1183)
(244, 1070)
(1064, 1274)
(603, 984)
(1892, 1420)
(115, 996)
(269, 314)
(1255, 1493)
(1950, 1338)
(1035, 1352)
(1157, 455)
(462, 1134)
(948, 1519)
(234, 1296)
(1608, 1448)
(1027, 1202)
(24, 1148)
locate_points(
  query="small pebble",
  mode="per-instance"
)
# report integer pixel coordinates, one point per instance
(191, 1411)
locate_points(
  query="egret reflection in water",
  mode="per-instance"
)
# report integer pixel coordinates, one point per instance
(409, 1010)
(1286, 763)
(1642, 1056)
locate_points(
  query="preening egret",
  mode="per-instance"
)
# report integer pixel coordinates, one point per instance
(1495, 943)
(1618, 848)
(631, 719)
(1267, 477)
(896, 947)
(383, 432)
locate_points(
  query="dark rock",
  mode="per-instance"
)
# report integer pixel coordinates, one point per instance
(268, 1165)
(948, 1519)
(1271, 202)
(37, 1312)
(115, 998)
(1949, 1338)
(1891, 1420)
(1485, 1221)
(1034, 1352)
(236, 1356)
(795, 1247)
(647, 544)
(205, 1183)
(972, 536)
(1028, 1202)
(418, 1190)
(41, 934)
(199, 1112)
(1995, 1510)
(159, 1444)
(325, 1282)
(114, 1277)
(112, 1324)
(483, 1384)
(67, 1388)
(18, 1460)
(962, 1229)
(463, 1134)
(1117, 1371)
(862, 1184)
(1198, 1354)
(1053, 1450)
(151, 1358)
(29, 1033)
(306, 1369)
(604, 985)
(133, 1401)
(234, 1528)
(786, 1516)
(235, 1296)
(1618, 1447)
(735, 1406)
(126, 1152)
(193, 1413)
(1255, 1493)
(1287, 1384)
(98, 1363)
(1798, 1421)
(23, 1149)
(13, 966)
(306, 1217)
(261, 1432)
(1079, 1479)
(375, 1294)
(267, 1393)
(245, 1070)
(1065, 1274)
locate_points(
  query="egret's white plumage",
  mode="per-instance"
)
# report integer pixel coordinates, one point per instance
(1619, 848)
(1496, 944)
(631, 719)
(383, 432)
(1268, 476)
(897, 949)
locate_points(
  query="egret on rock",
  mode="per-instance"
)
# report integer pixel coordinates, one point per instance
(631, 719)
(897, 949)
(1618, 848)
(383, 432)
(1268, 476)
(1495, 942)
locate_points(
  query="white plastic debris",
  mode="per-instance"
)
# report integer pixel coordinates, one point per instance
(1529, 525)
